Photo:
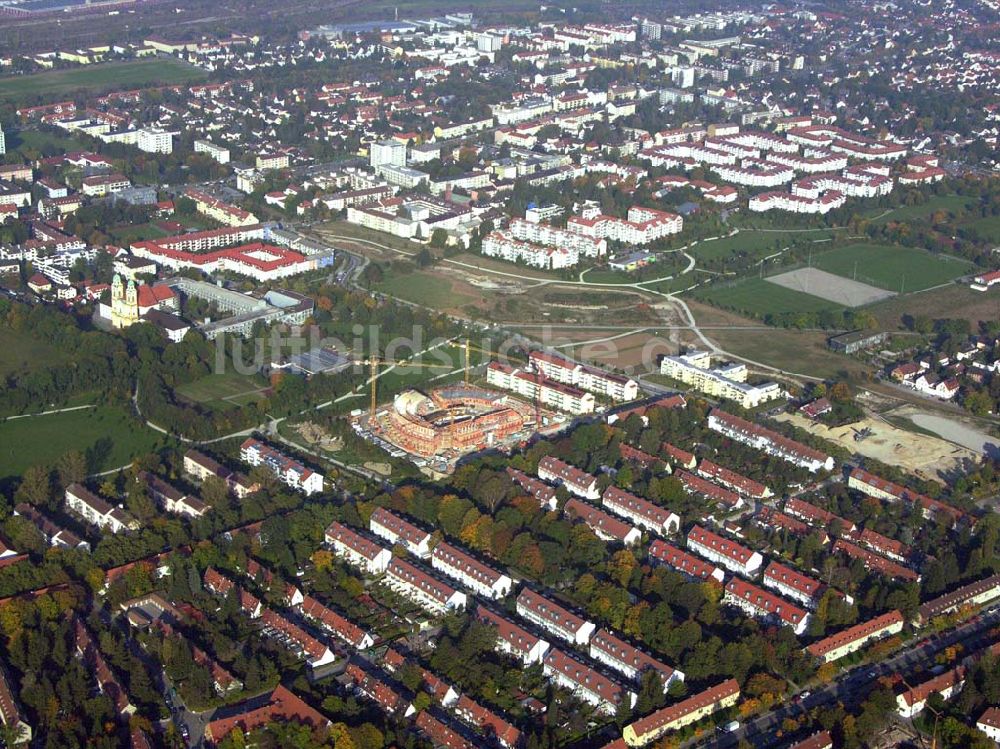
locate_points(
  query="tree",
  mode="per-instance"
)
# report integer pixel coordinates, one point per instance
(71, 468)
(36, 486)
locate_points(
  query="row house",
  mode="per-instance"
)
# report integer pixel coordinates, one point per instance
(394, 529)
(440, 734)
(443, 693)
(769, 441)
(887, 547)
(874, 562)
(576, 481)
(679, 457)
(93, 659)
(818, 517)
(96, 511)
(291, 594)
(875, 486)
(793, 584)
(627, 659)
(593, 380)
(604, 526)
(170, 498)
(585, 682)
(473, 574)
(337, 625)
(639, 457)
(683, 713)
(534, 386)
(710, 490)
(760, 603)
(973, 594)
(686, 564)
(281, 628)
(53, 533)
(487, 722)
(640, 511)
(819, 740)
(777, 520)
(544, 493)
(729, 554)
(222, 680)
(854, 638)
(989, 723)
(513, 639)
(553, 618)
(19, 731)
(357, 549)
(733, 480)
(432, 594)
(374, 687)
(289, 471)
(911, 700)
(278, 706)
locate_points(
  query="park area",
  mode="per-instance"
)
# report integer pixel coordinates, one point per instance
(219, 392)
(99, 77)
(108, 436)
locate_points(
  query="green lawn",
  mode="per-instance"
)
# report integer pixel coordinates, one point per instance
(946, 203)
(136, 233)
(44, 142)
(112, 75)
(426, 289)
(894, 268)
(23, 352)
(222, 391)
(759, 297)
(753, 243)
(109, 433)
(987, 229)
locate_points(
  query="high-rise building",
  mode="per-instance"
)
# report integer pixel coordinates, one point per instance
(390, 152)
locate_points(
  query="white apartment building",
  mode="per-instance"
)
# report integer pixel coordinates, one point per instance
(289, 471)
(643, 225)
(504, 246)
(534, 387)
(613, 386)
(554, 618)
(391, 152)
(640, 511)
(468, 570)
(96, 511)
(551, 236)
(755, 173)
(395, 530)
(817, 162)
(695, 368)
(217, 152)
(357, 550)
(427, 592)
(793, 584)
(155, 140)
(729, 554)
(604, 526)
(786, 201)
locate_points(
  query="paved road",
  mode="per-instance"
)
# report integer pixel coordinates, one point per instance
(853, 686)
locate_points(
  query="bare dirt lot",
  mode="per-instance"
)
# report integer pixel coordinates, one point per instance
(923, 455)
(831, 287)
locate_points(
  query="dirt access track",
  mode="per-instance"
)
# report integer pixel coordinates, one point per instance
(923, 455)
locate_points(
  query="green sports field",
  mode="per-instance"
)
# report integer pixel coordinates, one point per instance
(899, 269)
(755, 242)
(222, 391)
(112, 75)
(760, 297)
(110, 432)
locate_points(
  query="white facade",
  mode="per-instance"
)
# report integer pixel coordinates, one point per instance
(470, 572)
(553, 618)
(695, 368)
(220, 154)
(357, 549)
(390, 152)
(428, 593)
(395, 530)
(289, 471)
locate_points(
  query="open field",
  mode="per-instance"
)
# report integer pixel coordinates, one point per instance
(899, 269)
(23, 352)
(221, 391)
(109, 433)
(759, 297)
(952, 301)
(425, 288)
(113, 75)
(987, 229)
(136, 233)
(754, 242)
(837, 289)
(946, 203)
(921, 454)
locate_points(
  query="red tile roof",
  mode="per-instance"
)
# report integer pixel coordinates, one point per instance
(682, 561)
(859, 631)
